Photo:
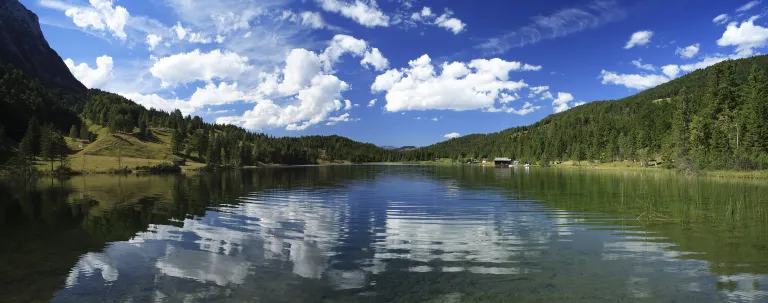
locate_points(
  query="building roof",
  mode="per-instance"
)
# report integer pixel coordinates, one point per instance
(503, 159)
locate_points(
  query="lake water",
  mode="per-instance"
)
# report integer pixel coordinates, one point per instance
(385, 234)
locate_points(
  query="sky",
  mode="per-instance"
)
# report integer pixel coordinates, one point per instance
(390, 72)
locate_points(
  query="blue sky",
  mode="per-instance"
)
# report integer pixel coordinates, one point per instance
(437, 69)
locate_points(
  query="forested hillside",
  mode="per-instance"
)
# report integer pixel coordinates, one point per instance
(715, 118)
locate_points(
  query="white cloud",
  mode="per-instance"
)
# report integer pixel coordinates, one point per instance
(506, 98)
(435, 119)
(366, 14)
(100, 16)
(639, 38)
(452, 135)
(153, 41)
(192, 66)
(721, 19)
(230, 21)
(447, 21)
(526, 109)
(460, 86)
(92, 78)
(342, 118)
(306, 19)
(199, 38)
(541, 91)
(689, 51)
(343, 44)
(305, 88)
(180, 31)
(745, 36)
(218, 95)
(671, 70)
(561, 103)
(646, 66)
(314, 105)
(375, 59)
(160, 103)
(747, 6)
(372, 103)
(559, 24)
(634, 81)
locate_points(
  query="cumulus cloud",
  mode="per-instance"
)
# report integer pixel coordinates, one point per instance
(745, 36)
(671, 70)
(459, 86)
(372, 103)
(212, 94)
(344, 44)
(561, 103)
(446, 20)
(527, 108)
(153, 41)
(452, 135)
(634, 81)
(646, 66)
(157, 102)
(540, 91)
(506, 98)
(92, 78)
(366, 14)
(102, 15)
(193, 37)
(180, 31)
(721, 19)
(314, 105)
(688, 51)
(187, 67)
(639, 38)
(748, 6)
(306, 91)
(342, 118)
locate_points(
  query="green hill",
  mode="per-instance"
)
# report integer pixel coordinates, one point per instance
(721, 125)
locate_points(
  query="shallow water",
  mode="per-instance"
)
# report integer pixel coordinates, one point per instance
(385, 234)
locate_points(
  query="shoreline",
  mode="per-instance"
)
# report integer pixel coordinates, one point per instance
(100, 165)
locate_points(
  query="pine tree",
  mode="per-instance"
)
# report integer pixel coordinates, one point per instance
(143, 127)
(756, 124)
(33, 129)
(48, 148)
(25, 146)
(73, 132)
(681, 134)
(84, 134)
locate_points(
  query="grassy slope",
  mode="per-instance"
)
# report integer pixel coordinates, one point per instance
(102, 154)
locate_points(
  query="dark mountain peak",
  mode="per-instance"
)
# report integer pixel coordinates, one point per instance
(23, 46)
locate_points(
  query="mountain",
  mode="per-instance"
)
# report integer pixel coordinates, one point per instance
(23, 47)
(713, 118)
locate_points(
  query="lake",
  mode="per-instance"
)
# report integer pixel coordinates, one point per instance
(386, 234)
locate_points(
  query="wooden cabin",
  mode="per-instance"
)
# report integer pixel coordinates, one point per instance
(502, 162)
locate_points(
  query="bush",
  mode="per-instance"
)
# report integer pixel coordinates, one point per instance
(160, 168)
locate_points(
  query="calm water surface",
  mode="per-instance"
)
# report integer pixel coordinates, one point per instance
(385, 234)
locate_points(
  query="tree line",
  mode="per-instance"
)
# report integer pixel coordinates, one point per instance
(714, 118)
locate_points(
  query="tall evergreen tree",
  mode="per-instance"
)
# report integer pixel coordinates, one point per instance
(681, 121)
(756, 104)
(73, 132)
(25, 146)
(33, 129)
